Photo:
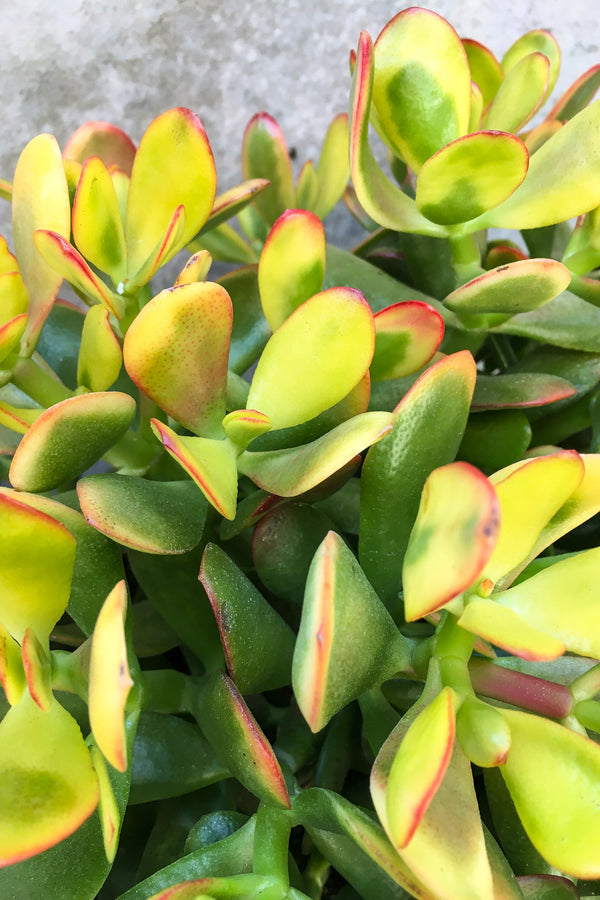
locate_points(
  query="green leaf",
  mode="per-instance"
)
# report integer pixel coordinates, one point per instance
(520, 95)
(347, 642)
(516, 390)
(470, 175)
(250, 330)
(577, 96)
(514, 288)
(68, 438)
(232, 202)
(567, 321)
(495, 439)
(100, 355)
(333, 169)
(537, 41)
(265, 155)
(508, 629)
(548, 887)
(406, 337)
(486, 71)
(97, 227)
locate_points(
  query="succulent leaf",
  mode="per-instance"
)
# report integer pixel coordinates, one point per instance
(104, 140)
(97, 227)
(520, 95)
(407, 335)
(100, 354)
(265, 155)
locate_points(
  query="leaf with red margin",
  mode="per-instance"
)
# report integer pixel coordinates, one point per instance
(315, 358)
(12, 674)
(407, 335)
(419, 766)
(173, 167)
(101, 139)
(577, 96)
(292, 264)
(210, 463)
(100, 355)
(538, 41)
(233, 201)
(519, 390)
(422, 85)
(243, 425)
(347, 642)
(96, 220)
(247, 625)
(37, 545)
(514, 288)
(17, 419)
(11, 333)
(508, 629)
(520, 95)
(40, 200)
(47, 784)
(451, 542)
(486, 71)
(232, 887)
(482, 733)
(14, 298)
(71, 265)
(195, 269)
(170, 243)
(265, 155)
(68, 438)
(381, 198)
(545, 754)
(176, 351)
(237, 739)
(37, 668)
(109, 679)
(294, 471)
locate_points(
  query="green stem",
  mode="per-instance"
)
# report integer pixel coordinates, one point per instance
(271, 843)
(38, 381)
(453, 649)
(315, 875)
(466, 258)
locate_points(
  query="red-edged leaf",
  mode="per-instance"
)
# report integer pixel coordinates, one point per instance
(101, 139)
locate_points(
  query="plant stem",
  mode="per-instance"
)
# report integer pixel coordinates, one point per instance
(453, 649)
(526, 691)
(466, 258)
(271, 843)
(41, 384)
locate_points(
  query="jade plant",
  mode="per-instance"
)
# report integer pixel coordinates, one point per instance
(299, 566)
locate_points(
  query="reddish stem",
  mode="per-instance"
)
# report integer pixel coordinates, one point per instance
(526, 691)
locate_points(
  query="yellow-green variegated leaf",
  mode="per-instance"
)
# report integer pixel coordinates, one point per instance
(265, 155)
(100, 354)
(422, 86)
(509, 630)
(486, 71)
(537, 41)
(102, 139)
(48, 787)
(40, 200)
(12, 673)
(14, 298)
(110, 819)
(173, 167)
(450, 542)
(333, 170)
(520, 95)
(470, 175)
(109, 679)
(315, 358)
(514, 288)
(577, 96)
(97, 227)
(11, 333)
(195, 269)
(37, 668)
(407, 335)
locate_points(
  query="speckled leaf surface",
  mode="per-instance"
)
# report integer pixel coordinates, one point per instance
(515, 390)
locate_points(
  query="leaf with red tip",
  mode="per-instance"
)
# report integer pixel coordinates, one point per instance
(507, 629)
(243, 425)
(514, 288)
(538, 41)
(47, 783)
(36, 665)
(176, 351)
(519, 390)
(315, 358)
(520, 95)
(237, 740)
(40, 200)
(71, 265)
(265, 155)
(486, 71)
(68, 438)
(97, 227)
(44, 549)
(380, 198)
(577, 96)
(195, 269)
(233, 201)
(292, 264)
(406, 337)
(470, 175)
(101, 139)
(151, 516)
(334, 661)
(294, 471)
(109, 679)
(419, 766)
(12, 674)
(210, 463)
(450, 543)
(100, 354)
(544, 753)
(168, 245)
(10, 334)
(173, 167)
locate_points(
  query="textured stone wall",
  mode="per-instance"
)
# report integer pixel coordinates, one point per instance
(125, 61)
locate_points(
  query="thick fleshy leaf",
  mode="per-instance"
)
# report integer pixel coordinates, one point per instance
(292, 264)
(243, 425)
(108, 808)
(36, 665)
(176, 352)
(567, 321)
(551, 480)
(334, 660)
(419, 766)
(12, 673)
(173, 167)
(307, 186)
(333, 170)
(100, 354)
(36, 568)
(495, 439)
(315, 358)
(14, 298)
(486, 71)
(422, 87)
(248, 625)
(109, 679)
(250, 330)
(537, 41)
(544, 753)
(516, 390)
(515, 288)
(509, 630)
(10, 334)
(471, 175)
(380, 198)
(265, 155)
(235, 887)
(152, 516)
(210, 463)
(70, 264)
(18, 419)
(548, 887)
(233, 201)
(482, 733)
(68, 438)
(101, 139)
(226, 244)
(195, 269)
(294, 471)
(97, 227)
(451, 542)
(577, 96)
(47, 783)
(237, 739)
(406, 337)
(520, 95)
(40, 200)
(168, 245)
(428, 427)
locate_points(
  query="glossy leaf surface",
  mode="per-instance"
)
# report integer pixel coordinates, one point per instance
(486, 71)
(507, 629)
(520, 95)
(97, 226)
(100, 355)
(515, 288)
(333, 170)
(265, 155)
(406, 337)
(37, 665)
(104, 140)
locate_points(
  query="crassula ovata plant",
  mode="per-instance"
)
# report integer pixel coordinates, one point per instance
(299, 571)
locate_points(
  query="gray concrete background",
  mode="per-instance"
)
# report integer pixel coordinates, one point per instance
(66, 61)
